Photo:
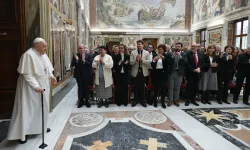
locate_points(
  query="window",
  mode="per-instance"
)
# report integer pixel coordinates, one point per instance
(203, 37)
(240, 33)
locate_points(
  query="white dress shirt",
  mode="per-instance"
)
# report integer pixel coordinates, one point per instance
(159, 64)
(122, 71)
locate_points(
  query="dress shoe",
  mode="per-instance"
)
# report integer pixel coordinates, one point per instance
(225, 101)
(48, 130)
(119, 105)
(187, 103)
(169, 104)
(144, 104)
(203, 101)
(208, 102)
(134, 103)
(235, 101)
(125, 104)
(100, 104)
(23, 142)
(176, 103)
(155, 103)
(195, 103)
(87, 104)
(107, 104)
(80, 104)
(163, 105)
(219, 102)
(246, 103)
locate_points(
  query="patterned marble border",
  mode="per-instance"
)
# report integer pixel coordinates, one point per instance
(69, 139)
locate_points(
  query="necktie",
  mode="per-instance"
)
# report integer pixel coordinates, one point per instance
(195, 60)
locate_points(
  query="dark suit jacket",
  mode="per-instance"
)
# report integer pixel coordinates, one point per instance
(207, 64)
(165, 66)
(82, 69)
(243, 66)
(191, 66)
(181, 64)
(227, 65)
(118, 67)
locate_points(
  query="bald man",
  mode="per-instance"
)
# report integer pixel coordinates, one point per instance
(195, 62)
(35, 75)
(82, 62)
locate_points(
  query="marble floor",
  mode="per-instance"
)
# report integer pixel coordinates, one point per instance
(208, 127)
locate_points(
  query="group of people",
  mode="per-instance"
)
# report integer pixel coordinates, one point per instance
(203, 71)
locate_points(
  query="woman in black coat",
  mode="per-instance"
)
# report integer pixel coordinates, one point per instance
(121, 63)
(227, 63)
(209, 81)
(159, 74)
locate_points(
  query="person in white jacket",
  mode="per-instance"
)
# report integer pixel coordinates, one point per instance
(35, 75)
(103, 64)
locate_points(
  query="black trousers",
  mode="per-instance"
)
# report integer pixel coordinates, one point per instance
(192, 86)
(83, 88)
(224, 78)
(121, 92)
(239, 81)
(139, 90)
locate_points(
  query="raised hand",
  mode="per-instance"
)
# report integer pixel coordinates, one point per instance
(156, 58)
(76, 57)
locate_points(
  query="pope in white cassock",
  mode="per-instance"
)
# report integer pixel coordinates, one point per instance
(35, 74)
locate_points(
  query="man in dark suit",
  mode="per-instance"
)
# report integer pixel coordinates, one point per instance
(177, 61)
(121, 63)
(83, 71)
(194, 63)
(243, 71)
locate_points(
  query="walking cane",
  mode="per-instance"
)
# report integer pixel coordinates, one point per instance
(43, 145)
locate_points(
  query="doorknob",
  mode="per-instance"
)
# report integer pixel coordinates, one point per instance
(3, 33)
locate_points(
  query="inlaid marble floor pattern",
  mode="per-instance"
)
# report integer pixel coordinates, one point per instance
(137, 128)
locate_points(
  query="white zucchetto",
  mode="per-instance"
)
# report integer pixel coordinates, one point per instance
(37, 40)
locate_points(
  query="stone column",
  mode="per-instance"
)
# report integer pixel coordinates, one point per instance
(193, 37)
(248, 37)
(224, 35)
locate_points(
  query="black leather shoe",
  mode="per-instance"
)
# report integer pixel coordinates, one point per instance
(144, 104)
(187, 103)
(246, 103)
(195, 103)
(235, 101)
(100, 104)
(87, 104)
(208, 102)
(23, 142)
(176, 104)
(203, 101)
(155, 103)
(125, 104)
(134, 103)
(107, 104)
(219, 102)
(48, 130)
(227, 102)
(80, 104)
(163, 105)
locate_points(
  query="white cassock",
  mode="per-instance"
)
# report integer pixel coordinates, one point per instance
(35, 71)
